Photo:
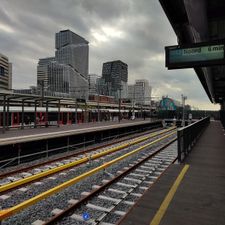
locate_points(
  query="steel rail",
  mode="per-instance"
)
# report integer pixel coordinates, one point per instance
(89, 149)
(95, 192)
(85, 159)
(5, 213)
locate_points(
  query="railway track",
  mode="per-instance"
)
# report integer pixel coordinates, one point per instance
(9, 183)
(135, 148)
(24, 168)
(106, 204)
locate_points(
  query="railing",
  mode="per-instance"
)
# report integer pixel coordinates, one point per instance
(187, 137)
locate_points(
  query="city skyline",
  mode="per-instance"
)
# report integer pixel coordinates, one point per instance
(134, 32)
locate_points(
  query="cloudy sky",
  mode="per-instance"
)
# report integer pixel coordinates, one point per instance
(134, 31)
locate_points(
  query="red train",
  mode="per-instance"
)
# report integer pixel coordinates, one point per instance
(67, 116)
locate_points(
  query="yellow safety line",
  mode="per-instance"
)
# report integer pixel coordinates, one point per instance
(162, 210)
(10, 211)
(86, 158)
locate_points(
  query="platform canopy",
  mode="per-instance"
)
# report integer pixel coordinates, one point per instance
(195, 22)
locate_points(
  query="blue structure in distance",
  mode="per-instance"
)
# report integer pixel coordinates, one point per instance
(167, 104)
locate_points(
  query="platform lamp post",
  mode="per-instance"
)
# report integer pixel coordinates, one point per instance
(98, 91)
(183, 98)
(76, 105)
(120, 103)
(133, 101)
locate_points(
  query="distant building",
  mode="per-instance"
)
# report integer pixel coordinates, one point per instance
(63, 79)
(92, 79)
(102, 87)
(115, 76)
(140, 92)
(131, 93)
(42, 73)
(5, 73)
(66, 74)
(73, 50)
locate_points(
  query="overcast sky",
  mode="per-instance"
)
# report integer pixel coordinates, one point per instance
(134, 31)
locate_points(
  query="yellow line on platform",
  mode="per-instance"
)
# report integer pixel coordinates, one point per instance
(86, 158)
(162, 210)
(5, 213)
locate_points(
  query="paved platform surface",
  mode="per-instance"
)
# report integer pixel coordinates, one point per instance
(200, 198)
(12, 136)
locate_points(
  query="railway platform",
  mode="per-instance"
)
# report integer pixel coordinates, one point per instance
(51, 132)
(189, 193)
(43, 142)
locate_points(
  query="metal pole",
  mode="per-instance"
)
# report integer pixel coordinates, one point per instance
(22, 125)
(7, 115)
(35, 113)
(58, 120)
(120, 106)
(76, 113)
(150, 110)
(133, 114)
(85, 112)
(4, 102)
(42, 92)
(46, 123)
(98, 109)
(183, 104)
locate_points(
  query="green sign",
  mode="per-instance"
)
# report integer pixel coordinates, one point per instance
(209, 55)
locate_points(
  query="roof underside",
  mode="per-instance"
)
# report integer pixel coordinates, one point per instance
(198, 21)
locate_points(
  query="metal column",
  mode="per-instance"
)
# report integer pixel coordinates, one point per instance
(35, 113)
(46, 123)
(58, 113)
(120, 106)
(22, 126)
(7, 115)
(98, 109)
(76, 113)
(4, 102)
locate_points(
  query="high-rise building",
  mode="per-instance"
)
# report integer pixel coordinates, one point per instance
(140, 92)
(115, 75)
(42, 73)
(66, 74)
(62, 80)
(73, 50)
(5, 73)
(92, 79)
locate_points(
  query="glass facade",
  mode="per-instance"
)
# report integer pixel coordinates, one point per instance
(2, 71)
(5, 73)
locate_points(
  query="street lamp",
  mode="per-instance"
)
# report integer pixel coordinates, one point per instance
(183, 98)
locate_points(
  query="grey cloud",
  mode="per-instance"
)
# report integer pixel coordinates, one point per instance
(106, 10)
(144, 25)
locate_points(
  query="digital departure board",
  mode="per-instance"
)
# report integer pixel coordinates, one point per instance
(195, 55)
